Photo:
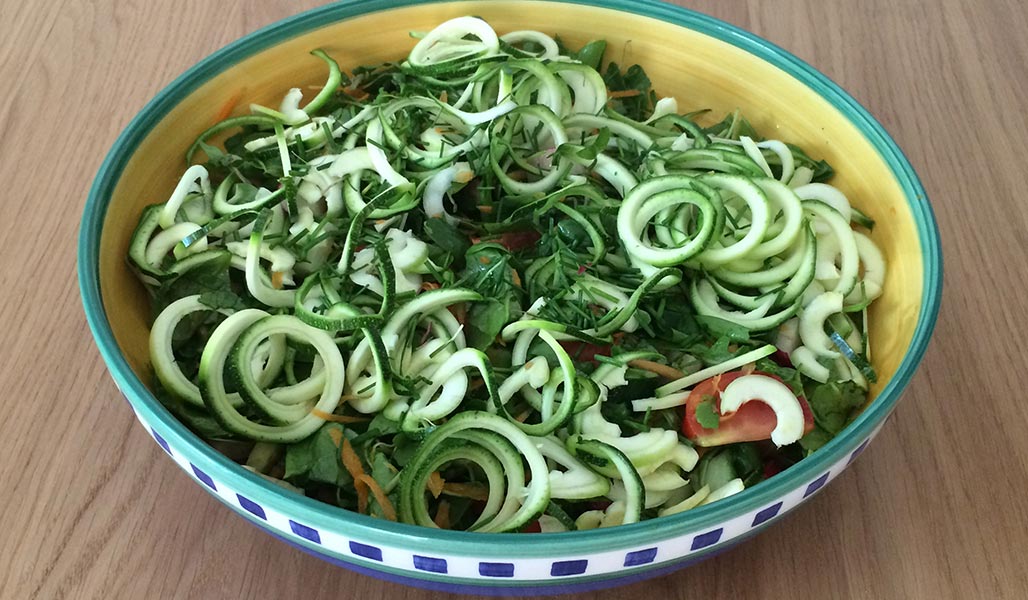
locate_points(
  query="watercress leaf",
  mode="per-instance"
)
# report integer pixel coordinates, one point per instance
(591, 54)
(217, 299)
(196, 418)
(317, 459)
(638, 106)
(833, 404)
(404, 447)
(212, 277)
(815, 439)
(723, 328)
(746, 461)
(383, 425)
(484, 322)
(716, 468)
(446, 236)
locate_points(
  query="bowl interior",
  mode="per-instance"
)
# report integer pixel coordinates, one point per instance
(700, 70)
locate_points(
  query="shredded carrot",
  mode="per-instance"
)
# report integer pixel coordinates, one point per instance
(484, 260)
(464, 176)
(443, 97)
(473, 491)
(429, 285)
(442, 514)
(655, 367)
(521, 418)
(482, 208)
(337, 418)
(276, 279)
(336, 435)
(229, 105)
(388, 511)
(353, 465)
(435, 484)
(623, 93)
(355, 93)
(515, 277)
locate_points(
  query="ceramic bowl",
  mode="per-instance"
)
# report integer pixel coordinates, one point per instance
(701, 61)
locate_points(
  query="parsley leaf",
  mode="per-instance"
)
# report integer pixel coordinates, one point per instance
(706, 414)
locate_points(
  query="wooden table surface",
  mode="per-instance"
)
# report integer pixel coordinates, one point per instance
(937, 508)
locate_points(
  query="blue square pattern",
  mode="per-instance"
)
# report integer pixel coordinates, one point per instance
(816, 484)
(427, 563)
(640, 557)
(204, 477)
(705, 540)
(161, 442)
(490, 569)
(366, 551)
(767, 514)
(859, 449)
(252, 507)
(568, 567)
(307, 533)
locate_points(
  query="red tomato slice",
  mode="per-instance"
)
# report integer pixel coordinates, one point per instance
(754, 421)
(533, 527)
(584, 351)
(519, 240)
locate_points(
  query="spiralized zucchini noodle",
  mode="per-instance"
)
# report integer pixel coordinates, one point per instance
(501, 285)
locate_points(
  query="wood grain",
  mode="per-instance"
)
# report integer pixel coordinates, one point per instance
(90, 507)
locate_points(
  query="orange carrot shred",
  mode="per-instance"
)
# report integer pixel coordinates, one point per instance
(337, 418)
(336, 435)
(623, 93)
(355, 93)
(353, 465)
(276, 279)
(442, 514)
(443, 97)
(229, 105)
(435, 484)
(466, 490)
(388, 511)
(655, 367)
